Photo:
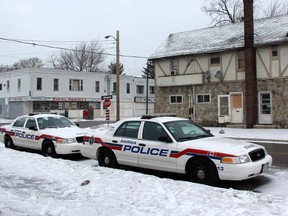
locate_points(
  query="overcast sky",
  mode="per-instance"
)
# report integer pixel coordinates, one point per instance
(143, 26)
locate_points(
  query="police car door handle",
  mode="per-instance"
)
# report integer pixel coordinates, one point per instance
(114, 141)
(141, 144)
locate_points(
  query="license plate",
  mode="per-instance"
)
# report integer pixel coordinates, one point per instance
(265, 168)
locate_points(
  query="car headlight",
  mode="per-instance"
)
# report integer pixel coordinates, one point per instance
(236, 159)
(67, 140)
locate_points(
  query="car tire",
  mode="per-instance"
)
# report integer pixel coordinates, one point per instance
(8, 142)
(48, 149)
(202, 171)
(107, 159)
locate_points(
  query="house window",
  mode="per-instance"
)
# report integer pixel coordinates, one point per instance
(56, 84)
(97, 86)
(8, 85)
(127, 88)
(174, 66)
(75, 85)
(0, 86)
(114, 88)
(215, 58)
(176, 99)
(274, 51)
(241, 60)
(39, 84)
(19, 84)
(203, 98)
(151, 89)
(140, 89)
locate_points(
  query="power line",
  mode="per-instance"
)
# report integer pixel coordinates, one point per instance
(33, 43)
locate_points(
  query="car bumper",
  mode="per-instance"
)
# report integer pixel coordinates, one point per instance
(88, 151)
(71, 148)
(238, 172)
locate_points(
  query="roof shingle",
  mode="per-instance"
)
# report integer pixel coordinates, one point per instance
(221, 38)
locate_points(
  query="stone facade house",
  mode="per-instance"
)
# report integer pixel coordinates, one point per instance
(200, 74)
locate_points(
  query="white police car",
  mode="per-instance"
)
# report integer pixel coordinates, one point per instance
(52, 134)
(176, 145)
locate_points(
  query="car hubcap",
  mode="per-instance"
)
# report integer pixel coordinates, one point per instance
(200, 174)
(49, 150)
(106, 160)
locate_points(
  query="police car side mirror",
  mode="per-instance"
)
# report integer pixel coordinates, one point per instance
(34, 128)
(77, 124)
(165, 139)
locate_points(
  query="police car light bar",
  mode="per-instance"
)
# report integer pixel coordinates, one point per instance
(158, 115)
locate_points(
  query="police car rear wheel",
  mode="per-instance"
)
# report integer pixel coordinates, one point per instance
(202, 171)
(9, 142)
(107, 159)
(48, 149)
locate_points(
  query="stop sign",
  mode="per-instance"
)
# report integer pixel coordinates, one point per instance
(106, 103)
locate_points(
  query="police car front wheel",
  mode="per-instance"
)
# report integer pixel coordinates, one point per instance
(48, 149)
(107, 159)
(202, 171)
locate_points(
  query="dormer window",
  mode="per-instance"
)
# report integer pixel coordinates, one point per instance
(174, 67)
(241, 60)
(215, 58)
(274, 51)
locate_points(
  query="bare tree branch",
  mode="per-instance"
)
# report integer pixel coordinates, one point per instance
(231, 11)
(85, 57)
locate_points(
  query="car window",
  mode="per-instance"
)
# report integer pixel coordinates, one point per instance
(128, 129)
(54, 122)
(152, 131)
(185, 130)
(20, 122)
(31, 123)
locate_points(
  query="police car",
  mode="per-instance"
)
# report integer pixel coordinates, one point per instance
(175, 145)
(52, 134)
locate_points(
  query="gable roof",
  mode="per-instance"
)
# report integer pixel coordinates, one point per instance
(221, 38)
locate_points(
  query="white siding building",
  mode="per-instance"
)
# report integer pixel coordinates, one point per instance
(69, 93)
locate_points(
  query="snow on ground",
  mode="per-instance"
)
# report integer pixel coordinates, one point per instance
(33, 185)
(254, 133)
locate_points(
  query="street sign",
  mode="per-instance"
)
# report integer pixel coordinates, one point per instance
(106, 103)
(106, 97)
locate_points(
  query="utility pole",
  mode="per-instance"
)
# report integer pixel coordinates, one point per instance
(250, 66)
(117, 77)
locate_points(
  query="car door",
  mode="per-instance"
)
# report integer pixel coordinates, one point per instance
(125, 141)
(156, 146)
(30, 132)
(17, 131)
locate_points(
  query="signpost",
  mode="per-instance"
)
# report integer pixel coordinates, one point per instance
(107, 115)
(106, 104)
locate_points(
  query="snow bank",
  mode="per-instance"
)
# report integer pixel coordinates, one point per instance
(34, 185)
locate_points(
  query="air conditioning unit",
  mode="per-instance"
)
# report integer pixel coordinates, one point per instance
(173, 72)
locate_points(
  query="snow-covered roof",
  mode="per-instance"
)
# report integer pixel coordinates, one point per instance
(220, 38)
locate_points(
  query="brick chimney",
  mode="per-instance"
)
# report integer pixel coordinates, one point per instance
(250, 66)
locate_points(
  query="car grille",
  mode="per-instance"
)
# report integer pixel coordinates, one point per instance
(80, 139)
(257, 154)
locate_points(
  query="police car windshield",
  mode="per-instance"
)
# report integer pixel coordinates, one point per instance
(54, 122)
(185, 130)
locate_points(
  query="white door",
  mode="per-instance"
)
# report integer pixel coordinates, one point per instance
(224, 109)
(154, 153)
(237, 108)
(265, 108)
